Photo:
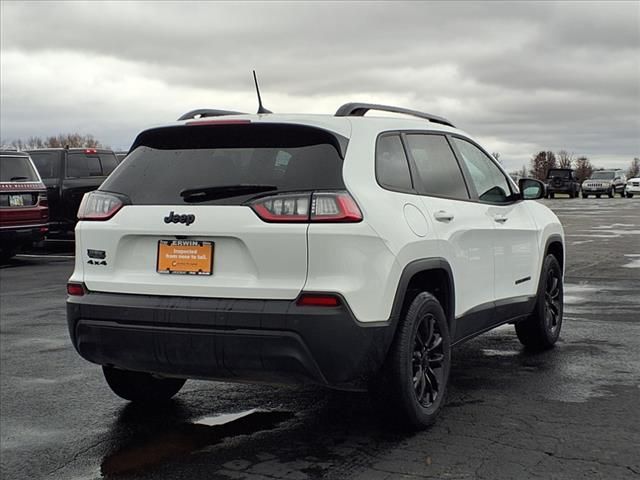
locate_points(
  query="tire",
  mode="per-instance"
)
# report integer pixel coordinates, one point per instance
(572, 194)
(584, 195)
(541, 329)
(413, 382)
(629, 195)
(552, 195)
(141, 387)
(610, 193)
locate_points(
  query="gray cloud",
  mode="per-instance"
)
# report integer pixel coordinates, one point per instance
(521, 76)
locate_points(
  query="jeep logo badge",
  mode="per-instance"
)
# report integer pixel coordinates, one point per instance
(187, 219)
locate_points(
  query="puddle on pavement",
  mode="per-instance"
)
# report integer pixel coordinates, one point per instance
(634, 260)
(187, 438)
(489, 352)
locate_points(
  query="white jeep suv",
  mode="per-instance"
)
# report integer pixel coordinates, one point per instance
(348, 251)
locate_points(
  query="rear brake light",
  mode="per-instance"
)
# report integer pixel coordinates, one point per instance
(75, 289)
(42, 200)
(334, 207)
(218, 122)
(99, 206)
(283, 208)
(90, 150)
(305, 207)
(317, 300)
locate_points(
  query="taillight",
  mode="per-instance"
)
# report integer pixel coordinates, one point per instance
(305, 207)
(334, 207)
(317, 300)
(75, 289)
(99, 206)
(283, 208)
(42, 199)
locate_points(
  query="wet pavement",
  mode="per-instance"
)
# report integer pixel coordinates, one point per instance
(571, 412)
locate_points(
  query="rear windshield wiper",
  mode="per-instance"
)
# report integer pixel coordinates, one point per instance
(203, 194)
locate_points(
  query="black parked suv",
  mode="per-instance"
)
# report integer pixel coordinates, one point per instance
(68, 174)
(562, 180)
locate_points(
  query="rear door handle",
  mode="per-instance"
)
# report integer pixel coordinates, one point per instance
(500, 218)
(443, 216)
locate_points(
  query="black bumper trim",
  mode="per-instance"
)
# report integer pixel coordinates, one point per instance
(272, 341)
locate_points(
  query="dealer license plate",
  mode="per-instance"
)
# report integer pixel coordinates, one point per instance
(16, 201)
(185, 257)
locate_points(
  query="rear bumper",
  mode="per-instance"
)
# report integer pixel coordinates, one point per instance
(560, 188)
(273, 341)
(22, 235)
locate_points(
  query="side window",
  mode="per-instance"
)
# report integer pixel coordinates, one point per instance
(81, 165)
(490, 182)
(109, 163)
(437, 166)
(392, 167)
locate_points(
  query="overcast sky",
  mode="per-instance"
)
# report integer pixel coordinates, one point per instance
(520, 77)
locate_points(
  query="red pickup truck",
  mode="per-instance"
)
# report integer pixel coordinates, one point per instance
(24, 211)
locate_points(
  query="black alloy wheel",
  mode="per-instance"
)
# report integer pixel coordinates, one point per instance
(411, 386)
(427, 364)
(552, 302)
(541, 330)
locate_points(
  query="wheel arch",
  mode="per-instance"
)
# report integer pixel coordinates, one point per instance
(433, 275)
(555, 246)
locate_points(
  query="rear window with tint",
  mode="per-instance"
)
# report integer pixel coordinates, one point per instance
(17, 169)
(167, 161)
(109, 162)
(83, 165)
(47, 163)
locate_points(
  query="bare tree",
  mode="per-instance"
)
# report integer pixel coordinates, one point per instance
(541, 163)
(565, 159)
(584, 169)
(634, 168)
(71, 140)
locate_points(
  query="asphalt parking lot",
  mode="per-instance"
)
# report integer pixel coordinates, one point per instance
(571, 412)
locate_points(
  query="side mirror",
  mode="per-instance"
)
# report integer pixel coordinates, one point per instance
(531, 189)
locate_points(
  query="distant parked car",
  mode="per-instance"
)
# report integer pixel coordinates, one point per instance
(602, 182)
(632, 187)
(121, 155)
(68, 174)
(562, 180)
(24, 214)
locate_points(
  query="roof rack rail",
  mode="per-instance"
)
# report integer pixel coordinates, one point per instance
(205, 112)
(359, 109)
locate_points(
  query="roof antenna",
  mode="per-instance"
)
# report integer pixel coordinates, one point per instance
(261, 109)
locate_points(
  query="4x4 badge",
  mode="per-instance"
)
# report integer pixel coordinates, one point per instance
(187, 219)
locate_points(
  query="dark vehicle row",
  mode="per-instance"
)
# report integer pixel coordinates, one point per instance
(41, 190)
(601, 182)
